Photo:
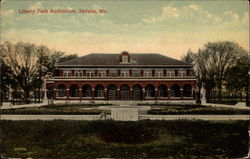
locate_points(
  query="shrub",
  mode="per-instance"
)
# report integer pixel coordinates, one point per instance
(128, 134)
(181, 110)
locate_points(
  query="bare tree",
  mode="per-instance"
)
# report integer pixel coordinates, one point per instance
(216, 58)
(22, 59)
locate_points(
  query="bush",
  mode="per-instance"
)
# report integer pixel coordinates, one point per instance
(196, 110)
(128, 134)
(54, 111)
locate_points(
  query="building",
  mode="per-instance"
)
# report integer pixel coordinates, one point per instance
(125, 76)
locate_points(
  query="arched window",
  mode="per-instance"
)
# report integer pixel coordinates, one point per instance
(112, 92)
(73, 90)
(149, 91)
(124, 92)
(137, 92)
(175, 90)
(99, 91)
(187, 90)
(86, 91)
(162, 91)
(61, 91)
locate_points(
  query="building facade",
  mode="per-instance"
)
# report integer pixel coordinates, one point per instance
(124, 76)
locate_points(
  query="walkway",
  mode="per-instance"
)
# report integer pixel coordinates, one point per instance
(240, 105)
(10, 106)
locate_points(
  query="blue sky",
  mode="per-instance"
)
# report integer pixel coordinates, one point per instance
(166, 27)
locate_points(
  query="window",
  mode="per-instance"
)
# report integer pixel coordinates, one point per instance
(147, 73)
(86, 91)
(124, 59)
(159, 73)
(78, 73)
(101, 73)
(99, 91)
(113, 73)
(61, 91)
(136, 73)
(124, 73)
(149, 91)
(90, 73)
(170, 73)
(66, 73)
(182, 73)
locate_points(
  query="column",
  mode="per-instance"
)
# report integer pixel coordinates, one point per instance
(131, 94)
(169, 93)
(105, 94)
(143, 93)
(181, 93)
(118, 94)
(156, 93)
(80, 94)
(93, 93)
(67, 93)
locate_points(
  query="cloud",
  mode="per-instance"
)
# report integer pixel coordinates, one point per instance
(195, 7)
(195, 14)
(173, 44)
(167, 12)
(7, 13)
(36, 5)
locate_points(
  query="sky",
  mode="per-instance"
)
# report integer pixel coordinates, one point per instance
(163, 26)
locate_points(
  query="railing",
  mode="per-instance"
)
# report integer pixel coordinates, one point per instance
(53, 117)
(140, 117)
(193, 117)
(119, 77)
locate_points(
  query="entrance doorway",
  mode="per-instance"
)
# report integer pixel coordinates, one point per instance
(124, 92)
(137, 92)
(112, 92)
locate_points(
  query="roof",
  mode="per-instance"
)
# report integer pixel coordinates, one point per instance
(100, 59)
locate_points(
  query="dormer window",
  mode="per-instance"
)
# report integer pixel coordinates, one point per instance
(124, 57)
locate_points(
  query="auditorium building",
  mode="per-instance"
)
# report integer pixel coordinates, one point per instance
(123, 76)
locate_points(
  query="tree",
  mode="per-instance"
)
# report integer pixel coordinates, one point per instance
(22, 59)
(6, 80)
(26, 64)
(189, 57)
(236, 76)
(223, 55)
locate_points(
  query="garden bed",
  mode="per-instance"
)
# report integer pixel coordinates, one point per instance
(195, 110)
(156, 139)
(56, 110)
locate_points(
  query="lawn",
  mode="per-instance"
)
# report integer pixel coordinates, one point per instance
(57, 110)
(195, 110)
(143, 139)
(156, 110)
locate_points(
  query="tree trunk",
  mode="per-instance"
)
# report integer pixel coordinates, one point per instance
(220, 87)
(27, 95)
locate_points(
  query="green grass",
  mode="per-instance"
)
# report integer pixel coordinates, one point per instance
(57, 110)
(67, 109)
(81, 139)
(195, 110)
